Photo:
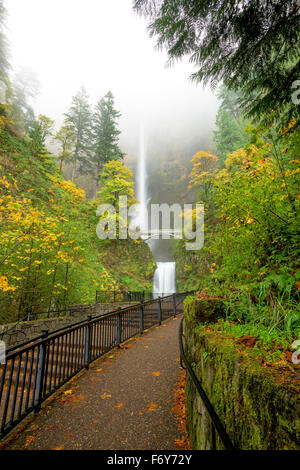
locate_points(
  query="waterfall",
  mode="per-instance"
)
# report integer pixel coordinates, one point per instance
(164, 276)
(141, 219)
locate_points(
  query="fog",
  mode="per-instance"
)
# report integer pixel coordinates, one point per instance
(104, 45)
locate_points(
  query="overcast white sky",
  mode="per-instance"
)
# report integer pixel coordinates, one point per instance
(103, 45)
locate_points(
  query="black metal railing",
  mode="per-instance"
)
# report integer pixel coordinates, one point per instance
(216, 422)
(33, 316)
(103, 296)
(37, 368)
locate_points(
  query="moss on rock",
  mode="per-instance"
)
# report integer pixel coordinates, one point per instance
(257, 411)
(203, 311)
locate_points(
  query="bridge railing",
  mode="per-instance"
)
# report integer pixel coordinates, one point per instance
(35, 370)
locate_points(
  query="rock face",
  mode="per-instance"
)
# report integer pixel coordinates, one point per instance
(256, 411)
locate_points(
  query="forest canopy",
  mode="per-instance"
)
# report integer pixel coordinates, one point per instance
(253, 46)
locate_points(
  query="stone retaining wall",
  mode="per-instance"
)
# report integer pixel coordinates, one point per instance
(14, 334)
(258, 406)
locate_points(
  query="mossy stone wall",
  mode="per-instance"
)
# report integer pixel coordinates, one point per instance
(16, 333)
(257, 412)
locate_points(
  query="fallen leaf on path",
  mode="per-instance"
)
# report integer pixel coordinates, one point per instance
(29, 440)
(179, 410)
(68, 392)
(61, 447)
(96, 421)
(180, 443)
(105, 395)
(68, 436)
(119, 405)
(152, 407)
(156, 374)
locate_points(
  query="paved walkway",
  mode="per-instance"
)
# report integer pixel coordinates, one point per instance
(123, 402)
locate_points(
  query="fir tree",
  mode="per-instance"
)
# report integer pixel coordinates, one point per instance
(25, 88)
(105, 133)
(79, 116)
(4, 62)
(229, 136)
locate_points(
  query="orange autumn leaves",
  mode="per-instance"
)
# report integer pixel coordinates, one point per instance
(33, 239)
(152, 406)
(179, 410)
(49, 253)
(156, 374)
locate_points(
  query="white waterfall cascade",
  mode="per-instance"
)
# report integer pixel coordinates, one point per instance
(141, 219)
(164, 276)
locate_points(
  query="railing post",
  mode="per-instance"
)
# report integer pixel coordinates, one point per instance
(119, 327)
(159, 311)
(87, 342)
(96, 299)
(174, 304)
(141, 318)
(40, 373)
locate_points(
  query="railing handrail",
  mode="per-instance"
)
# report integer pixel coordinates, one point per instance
(216, 422)
(35, 315)
(109, 296)
(81, 322)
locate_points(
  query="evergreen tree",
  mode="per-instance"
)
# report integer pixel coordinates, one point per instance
(4, 62)
(38, 132)
(105, 133)
(79, 116)
(14, 93)
(250, 45)
(229, 136)
(25, 88)
(230, 101)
